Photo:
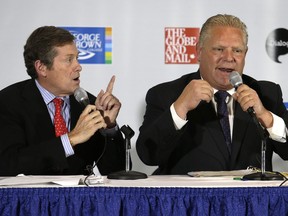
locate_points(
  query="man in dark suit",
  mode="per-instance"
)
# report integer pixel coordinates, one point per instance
(28, 143)
(181, 131)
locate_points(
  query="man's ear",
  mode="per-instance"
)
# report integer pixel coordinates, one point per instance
(40, 68)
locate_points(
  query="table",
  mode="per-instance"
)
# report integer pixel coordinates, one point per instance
(156, 195)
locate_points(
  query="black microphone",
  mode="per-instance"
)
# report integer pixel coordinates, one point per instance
(81, 96)
(236, 80)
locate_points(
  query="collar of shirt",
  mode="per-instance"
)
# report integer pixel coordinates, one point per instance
(48, 96)
(230, 91)
(229, 100)
(48, 99)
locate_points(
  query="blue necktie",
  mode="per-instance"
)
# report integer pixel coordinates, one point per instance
(222, 112)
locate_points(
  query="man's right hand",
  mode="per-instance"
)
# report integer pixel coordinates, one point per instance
(88, 123)
(195, 92)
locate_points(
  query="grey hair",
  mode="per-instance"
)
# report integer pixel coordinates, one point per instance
(222, 20)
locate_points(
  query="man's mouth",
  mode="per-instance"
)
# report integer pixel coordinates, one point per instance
(76, 79)
(227, 70)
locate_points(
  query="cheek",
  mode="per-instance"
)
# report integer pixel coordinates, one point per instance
(71, 71)
(240, 61)
(209, 61)
(198, 56)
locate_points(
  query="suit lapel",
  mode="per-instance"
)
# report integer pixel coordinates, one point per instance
(37, 109)
(208, 115)
(240, 127)
(241, 122)
(76, 109)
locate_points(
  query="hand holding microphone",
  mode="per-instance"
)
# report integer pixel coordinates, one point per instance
(245, 98)
(89, 121)
(106, 103)
(250, 101)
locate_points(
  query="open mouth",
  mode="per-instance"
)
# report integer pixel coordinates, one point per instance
(76, 79)
(227, 70)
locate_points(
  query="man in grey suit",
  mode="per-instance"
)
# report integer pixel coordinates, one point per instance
(181, 131)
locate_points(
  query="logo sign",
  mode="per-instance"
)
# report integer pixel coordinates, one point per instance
(277, 44)
(180, 45)
(94, 44)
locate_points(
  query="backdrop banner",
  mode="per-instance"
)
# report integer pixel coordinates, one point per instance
(144, 43)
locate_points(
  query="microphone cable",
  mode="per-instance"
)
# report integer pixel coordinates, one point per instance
(90, 168)
(82, 97)
(285, 178)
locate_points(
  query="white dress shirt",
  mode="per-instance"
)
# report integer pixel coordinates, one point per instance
(277, 132)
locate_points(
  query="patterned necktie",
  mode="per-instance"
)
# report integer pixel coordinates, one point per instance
(59, 122)
(222, 112)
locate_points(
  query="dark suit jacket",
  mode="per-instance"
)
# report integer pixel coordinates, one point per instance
(28, 144)
(200, 145)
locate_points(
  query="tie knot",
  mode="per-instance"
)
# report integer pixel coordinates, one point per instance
(221, 95)
(57, 102)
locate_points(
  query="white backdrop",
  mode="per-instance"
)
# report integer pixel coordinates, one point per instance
(138, 44)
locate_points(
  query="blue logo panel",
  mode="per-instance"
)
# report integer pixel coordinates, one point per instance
(94, 44)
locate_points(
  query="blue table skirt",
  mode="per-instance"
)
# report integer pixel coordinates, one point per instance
(144, 201)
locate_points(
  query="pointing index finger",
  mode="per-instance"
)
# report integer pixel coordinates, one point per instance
(110, 85)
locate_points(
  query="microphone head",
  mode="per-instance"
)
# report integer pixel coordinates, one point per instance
(235, 79)
(81, 96)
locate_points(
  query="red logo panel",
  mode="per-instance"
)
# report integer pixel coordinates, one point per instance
(180, 45)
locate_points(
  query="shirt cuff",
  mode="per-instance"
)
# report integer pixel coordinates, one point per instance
(110, 132)
(178, 122)
(67, 145)
(278, 131)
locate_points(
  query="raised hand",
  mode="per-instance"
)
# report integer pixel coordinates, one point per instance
(108, 104)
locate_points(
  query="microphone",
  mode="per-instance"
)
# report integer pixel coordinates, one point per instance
(81, 96)
(236, 80)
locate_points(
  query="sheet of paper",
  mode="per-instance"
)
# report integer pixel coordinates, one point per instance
(220, 173)
(34, 180)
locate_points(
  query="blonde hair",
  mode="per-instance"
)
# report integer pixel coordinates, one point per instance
(222, 20)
